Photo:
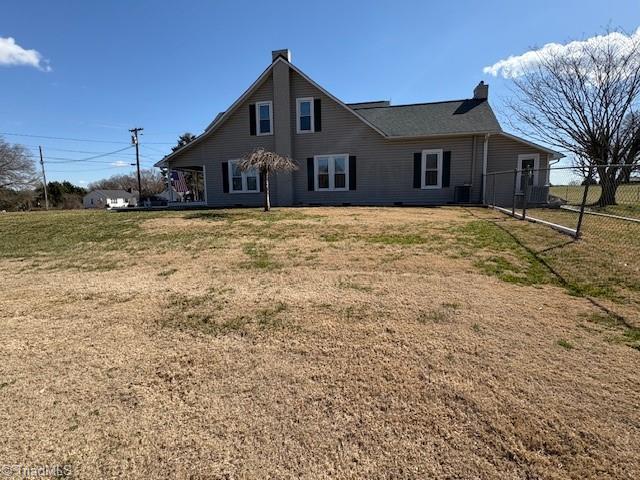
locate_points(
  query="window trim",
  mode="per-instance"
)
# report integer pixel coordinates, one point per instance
(536, 168)
(243, 175)
(423, 169)
(258, 105)
(332, 177)
(313, 114)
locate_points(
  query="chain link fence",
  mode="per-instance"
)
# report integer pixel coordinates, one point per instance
(570, 199)
(598, 205)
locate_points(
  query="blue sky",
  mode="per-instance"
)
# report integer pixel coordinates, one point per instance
(170, 67)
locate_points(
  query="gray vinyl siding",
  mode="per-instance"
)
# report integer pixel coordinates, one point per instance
(503, 156)
(384, 167)
(230, 141)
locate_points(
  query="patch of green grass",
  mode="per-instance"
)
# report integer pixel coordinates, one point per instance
(7, 384)
(624, 334)
(480, 234)
(259, 257)
(270, 317)
(396, 239)
(476, 327)
(451, 305)
(168, 272)
(354, 286)
(530, 272)
(565, 344)
(257, 214)
(507, 260)
(36, 234)
(439, 315)
(333, 237)
(199, 313)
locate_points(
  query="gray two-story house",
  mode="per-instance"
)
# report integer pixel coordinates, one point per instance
(371, 153)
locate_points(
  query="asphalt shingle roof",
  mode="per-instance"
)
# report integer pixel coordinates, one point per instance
(457, 116)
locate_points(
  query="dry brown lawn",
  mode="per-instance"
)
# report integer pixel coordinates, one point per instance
(308, 343)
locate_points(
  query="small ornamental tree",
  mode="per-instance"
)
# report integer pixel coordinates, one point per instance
(266, 162)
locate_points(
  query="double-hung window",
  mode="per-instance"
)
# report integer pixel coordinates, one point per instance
(432, 169)
(264, 113)
(305, 115)
(331, 172)
(242, 182)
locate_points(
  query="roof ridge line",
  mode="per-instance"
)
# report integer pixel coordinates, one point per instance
(424, 103)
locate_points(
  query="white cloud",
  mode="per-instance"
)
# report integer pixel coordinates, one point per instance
(120, 163)
(12, 54)
(516, 65)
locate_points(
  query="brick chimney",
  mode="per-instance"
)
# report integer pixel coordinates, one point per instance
(481, 92)
(285, 53)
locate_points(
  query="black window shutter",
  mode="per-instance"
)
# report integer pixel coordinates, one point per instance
(261, 181)
(310, 180)
(317, 115)
(252, 119)
(352, 172)
(225, 177)
(446, 169)
(417, 167)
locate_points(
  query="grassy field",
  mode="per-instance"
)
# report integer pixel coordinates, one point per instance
(317, 343)
(627, 198)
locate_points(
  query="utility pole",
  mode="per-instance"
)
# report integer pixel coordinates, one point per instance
(134, 140)
(44, 180)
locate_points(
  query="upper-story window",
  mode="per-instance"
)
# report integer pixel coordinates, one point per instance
(305, 115)
(264, 112)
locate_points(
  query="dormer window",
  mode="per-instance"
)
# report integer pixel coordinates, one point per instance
(264, 112)
(305, 115)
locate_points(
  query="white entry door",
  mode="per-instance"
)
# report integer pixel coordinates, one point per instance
(530, 161)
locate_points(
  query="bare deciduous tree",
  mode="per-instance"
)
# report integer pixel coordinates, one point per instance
(584, 99)
(266, 162)
(17, 169)
(152, 182)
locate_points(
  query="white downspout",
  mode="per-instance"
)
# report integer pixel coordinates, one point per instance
(485, 151)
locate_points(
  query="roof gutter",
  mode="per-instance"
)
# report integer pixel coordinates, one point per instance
(436, 135)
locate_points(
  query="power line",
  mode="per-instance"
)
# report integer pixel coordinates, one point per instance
(154, 149)
(88, 140)
(35, 147)
(74, 160)
(60, 138)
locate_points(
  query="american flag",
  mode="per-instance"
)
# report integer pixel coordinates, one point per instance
(179, 183)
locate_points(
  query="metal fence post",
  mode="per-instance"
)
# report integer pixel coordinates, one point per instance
(494, 190)
(584, 201)
(515, 190)
(525, 200)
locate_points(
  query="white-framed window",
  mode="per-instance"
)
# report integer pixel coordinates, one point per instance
(305, 115)
(242, 182)
(528, 161)
(431, 169)
(264, 117)
(331, 172)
